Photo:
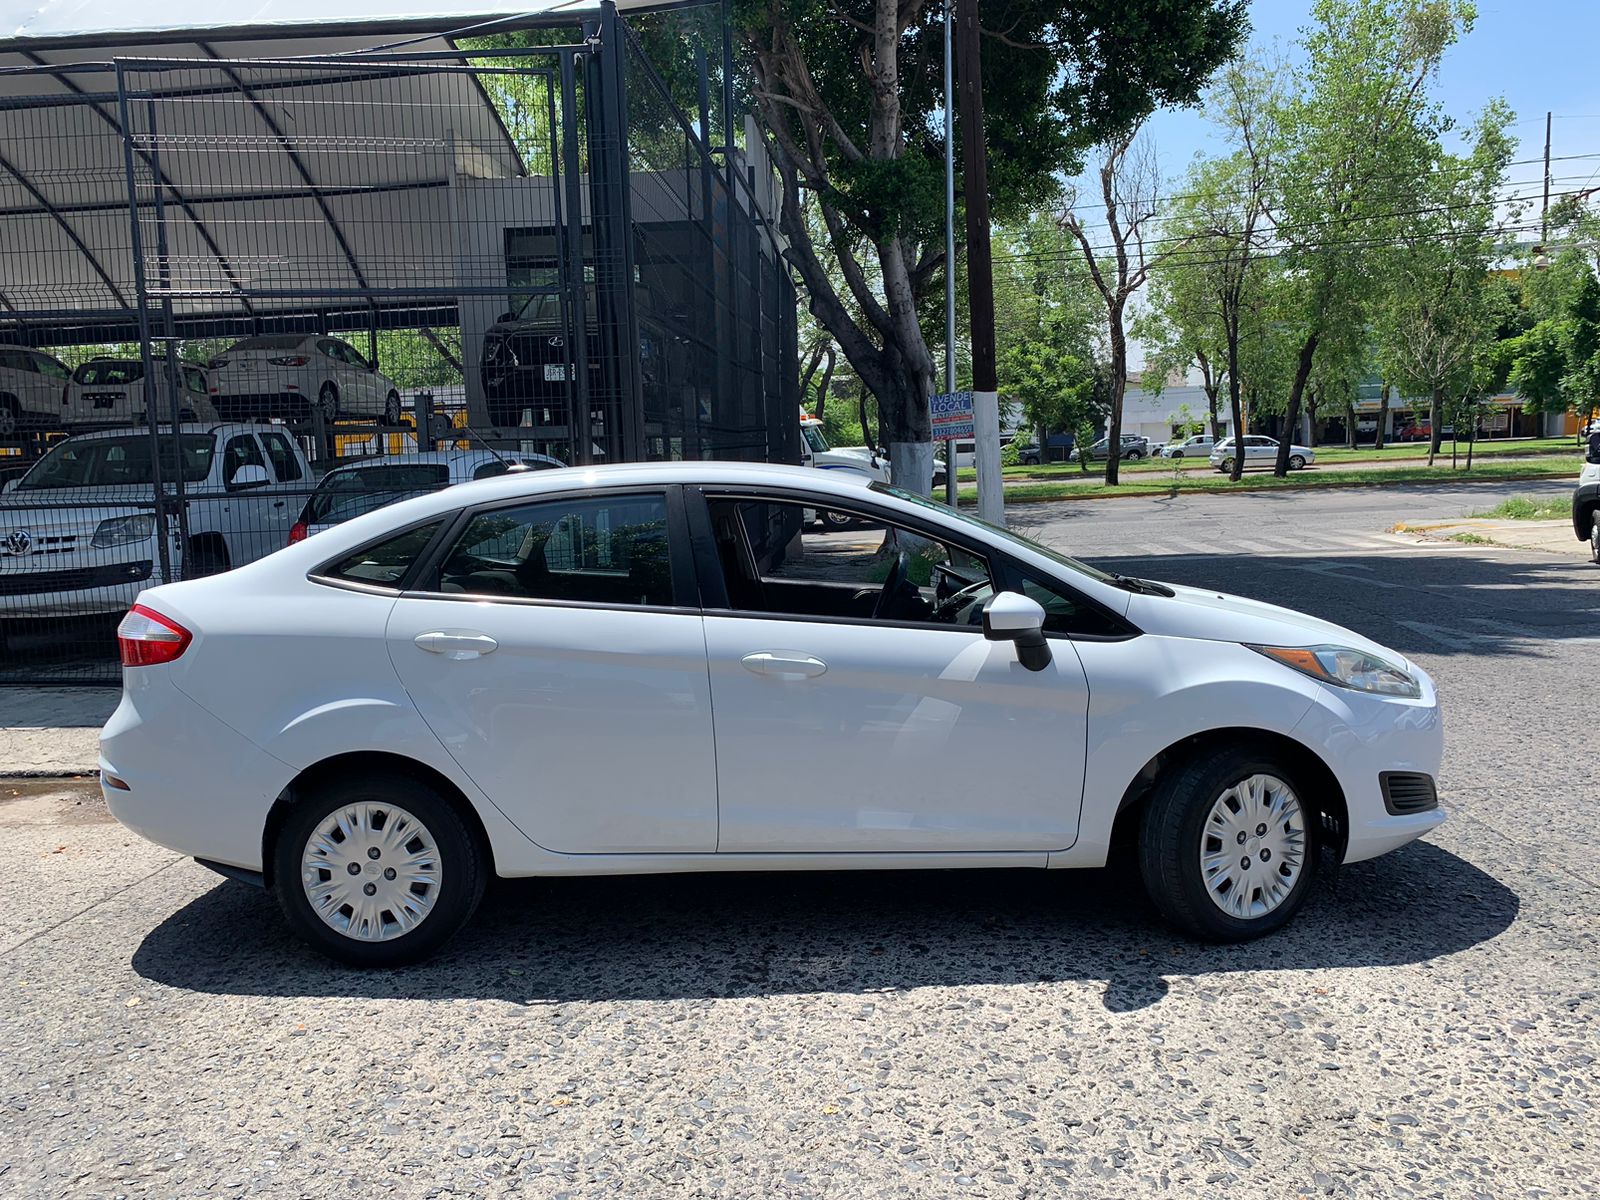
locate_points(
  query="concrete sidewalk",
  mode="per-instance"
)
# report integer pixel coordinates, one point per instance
(53, 731)
(1553, 537)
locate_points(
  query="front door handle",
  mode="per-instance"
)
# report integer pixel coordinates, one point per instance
(456, 644)
(784, 664)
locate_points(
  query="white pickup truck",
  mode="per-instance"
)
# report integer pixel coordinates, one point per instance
(78, 531)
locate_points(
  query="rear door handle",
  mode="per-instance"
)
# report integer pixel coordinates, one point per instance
(456, 644)
(784, 664)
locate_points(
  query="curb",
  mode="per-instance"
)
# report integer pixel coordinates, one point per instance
(1172, 493)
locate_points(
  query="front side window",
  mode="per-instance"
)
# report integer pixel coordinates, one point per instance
(384, 564)
(814, 438)
(775, 561)
(114, 461)
(596, 550)
(241, 451)
(49, 366)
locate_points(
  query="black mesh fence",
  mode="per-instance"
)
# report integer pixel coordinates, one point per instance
(233, 292)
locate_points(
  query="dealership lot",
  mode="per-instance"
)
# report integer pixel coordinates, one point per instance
(1427, 1027)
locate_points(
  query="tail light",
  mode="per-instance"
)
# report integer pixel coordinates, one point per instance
(297, 532)
(146, 638)
(290, 360)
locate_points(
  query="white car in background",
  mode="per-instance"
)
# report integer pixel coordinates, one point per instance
(286, 374)
(1197, 446)
(1257, 451)
(114, 391)
(357, 488)
(33, 387)
(604, 670)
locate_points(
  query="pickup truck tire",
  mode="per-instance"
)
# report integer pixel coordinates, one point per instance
(328, 401)
(391, 410)
(10, 414)
(207, 556)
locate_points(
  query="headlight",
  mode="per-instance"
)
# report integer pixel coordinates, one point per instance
(120, 531)
(1347, 668)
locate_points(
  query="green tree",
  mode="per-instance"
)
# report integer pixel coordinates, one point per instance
(848, 93)
(1358, 134)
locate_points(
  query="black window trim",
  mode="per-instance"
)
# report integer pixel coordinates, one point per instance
(1005, 572)
(426, 568)
(319, 573)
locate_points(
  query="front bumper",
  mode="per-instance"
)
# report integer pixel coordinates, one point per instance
(74, 592)
(1361, 737)
(1585, 504)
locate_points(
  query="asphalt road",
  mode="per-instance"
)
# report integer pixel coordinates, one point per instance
(1429, 1026)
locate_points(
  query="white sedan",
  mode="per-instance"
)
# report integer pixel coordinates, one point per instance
(1258, 450)
(603, 671)
(287, 374)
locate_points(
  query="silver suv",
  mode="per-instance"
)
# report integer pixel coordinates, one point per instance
(32, 389)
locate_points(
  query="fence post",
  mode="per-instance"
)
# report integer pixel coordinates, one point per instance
(570, 230)
(169, 332)
(142, 302)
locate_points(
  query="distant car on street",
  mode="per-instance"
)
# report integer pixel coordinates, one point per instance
(1133, 447)
(1259, 450)
(1586, 499)
(1197, 446)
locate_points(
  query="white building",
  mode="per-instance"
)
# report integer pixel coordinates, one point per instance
(1162, 416)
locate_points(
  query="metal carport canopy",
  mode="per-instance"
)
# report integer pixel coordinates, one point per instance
(363, 223)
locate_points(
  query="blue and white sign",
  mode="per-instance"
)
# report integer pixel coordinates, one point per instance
(952, 416)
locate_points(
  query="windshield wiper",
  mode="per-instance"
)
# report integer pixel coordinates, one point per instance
(1143, 587)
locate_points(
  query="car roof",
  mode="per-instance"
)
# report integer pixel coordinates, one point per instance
(221, 430)
(454, 459)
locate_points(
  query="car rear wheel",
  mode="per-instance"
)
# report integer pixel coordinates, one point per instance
(9, 416)
(391, 409)
(1227, 846)
(328, 402)
(836, 520)
(378, 870)
(1226, 466)
(1594, 535)
(1297, 462)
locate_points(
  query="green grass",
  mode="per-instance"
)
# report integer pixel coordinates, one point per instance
(1146, 484)
(1471, 539)
(1326, 455)
(1521, 508)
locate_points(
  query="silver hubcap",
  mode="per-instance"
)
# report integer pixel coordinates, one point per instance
(1253, 846)
(371, 871)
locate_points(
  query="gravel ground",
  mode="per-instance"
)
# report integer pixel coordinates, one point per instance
(1427, 1027)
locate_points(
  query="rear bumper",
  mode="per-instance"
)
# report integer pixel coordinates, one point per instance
(160, 743)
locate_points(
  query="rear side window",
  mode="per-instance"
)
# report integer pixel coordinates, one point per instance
(384, 564)
(49, 366)
(108, 371)
(601, 550)
(285, 464)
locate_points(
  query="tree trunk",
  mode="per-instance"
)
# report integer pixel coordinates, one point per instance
(1383, 415)
(1302, 372)
(1236, 401)
(1435, 419)
(1119, 383)
(1313, 402)
(1350, 424)
(1209, 384)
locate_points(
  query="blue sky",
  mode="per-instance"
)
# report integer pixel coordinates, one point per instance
(1539, 54)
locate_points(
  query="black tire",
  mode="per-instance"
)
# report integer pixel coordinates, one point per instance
(328, 402)
(1134, 455)
(463, 869)
(836, 520)
(1226, 466)
(10, 417)
(1171, 836)
(391, 410)
(1176, 454)
(1594, 535)
(205, 557)
(1297, 462)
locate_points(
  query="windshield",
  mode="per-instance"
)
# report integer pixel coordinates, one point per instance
(114, 461)
(350, 493)
(814, 438)
(109, 371)
(948, 513)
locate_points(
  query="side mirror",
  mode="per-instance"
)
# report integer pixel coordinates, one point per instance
(248, 476)
(1012, 617)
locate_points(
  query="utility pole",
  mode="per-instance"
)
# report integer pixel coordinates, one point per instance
(1544, 213)
(949, 244)
(980, 270)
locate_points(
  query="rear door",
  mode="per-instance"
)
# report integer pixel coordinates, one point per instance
(556, 650)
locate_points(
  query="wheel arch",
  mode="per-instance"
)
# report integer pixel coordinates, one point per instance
(367, 762)
(1327, 798)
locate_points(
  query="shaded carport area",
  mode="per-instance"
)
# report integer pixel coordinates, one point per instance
(419, 199)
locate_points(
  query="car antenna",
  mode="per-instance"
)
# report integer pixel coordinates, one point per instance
(498, 457)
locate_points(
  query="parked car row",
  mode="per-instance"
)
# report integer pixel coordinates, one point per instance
(276, 375)
(1257, 450)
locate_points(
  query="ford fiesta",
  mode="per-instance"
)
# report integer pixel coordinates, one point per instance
(606, 671)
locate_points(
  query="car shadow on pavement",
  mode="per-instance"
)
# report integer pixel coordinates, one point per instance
(718, 936)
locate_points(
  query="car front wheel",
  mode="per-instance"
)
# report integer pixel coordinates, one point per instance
(1594, 535)
(1227, 846)
(377, 870)
(1297, 462)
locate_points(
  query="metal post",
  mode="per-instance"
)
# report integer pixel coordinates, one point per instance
(571, 229)
(1544, 212)
(949, 247)
(169, 332)
(141, 298)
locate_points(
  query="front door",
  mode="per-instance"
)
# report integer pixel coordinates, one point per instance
(554, 656)
(859, 707)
